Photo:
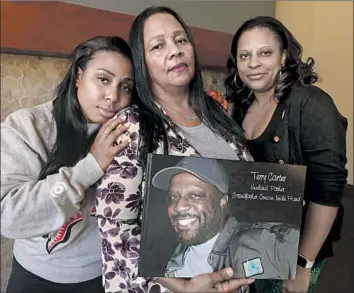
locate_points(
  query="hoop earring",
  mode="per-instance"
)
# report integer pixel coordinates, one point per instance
(236, 85)
(281, 70)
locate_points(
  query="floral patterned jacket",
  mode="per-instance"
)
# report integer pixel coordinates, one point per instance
(119, 206)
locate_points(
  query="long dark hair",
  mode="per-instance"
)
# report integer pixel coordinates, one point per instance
(295, 72)
(152, 119)
(72, 141)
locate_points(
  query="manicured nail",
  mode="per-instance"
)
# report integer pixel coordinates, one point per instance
(230, 272)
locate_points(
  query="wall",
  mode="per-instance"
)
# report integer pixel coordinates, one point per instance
(27, 81)
(325, 30)
(223, 16)
(35, 25)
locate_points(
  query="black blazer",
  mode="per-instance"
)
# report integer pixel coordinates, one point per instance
(312, 132)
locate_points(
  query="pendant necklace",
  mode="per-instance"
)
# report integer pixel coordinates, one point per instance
(188, 118)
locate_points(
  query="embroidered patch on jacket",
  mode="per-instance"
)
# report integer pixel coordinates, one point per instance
(253, 267)
(64, 233)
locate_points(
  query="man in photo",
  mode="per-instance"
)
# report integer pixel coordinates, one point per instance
(212, 239)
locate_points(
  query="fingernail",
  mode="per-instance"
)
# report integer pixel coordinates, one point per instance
(123, 118)
(230, 272)
(127, 124)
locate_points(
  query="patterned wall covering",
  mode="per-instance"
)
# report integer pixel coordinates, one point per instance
(27, 81)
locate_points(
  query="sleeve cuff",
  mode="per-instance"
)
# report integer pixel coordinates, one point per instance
(89, 171)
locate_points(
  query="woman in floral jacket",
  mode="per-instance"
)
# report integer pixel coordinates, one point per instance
(172, 116)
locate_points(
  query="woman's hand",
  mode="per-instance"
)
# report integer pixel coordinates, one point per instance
(105, 146)
(220, 281)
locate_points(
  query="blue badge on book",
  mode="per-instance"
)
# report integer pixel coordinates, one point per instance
(253, 267)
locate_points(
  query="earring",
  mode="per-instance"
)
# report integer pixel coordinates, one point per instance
(236, 85)
(280, 71)
(235, 78)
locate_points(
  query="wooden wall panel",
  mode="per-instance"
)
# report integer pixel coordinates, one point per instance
(51, 28)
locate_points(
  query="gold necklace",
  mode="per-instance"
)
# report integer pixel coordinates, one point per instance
(188, 118)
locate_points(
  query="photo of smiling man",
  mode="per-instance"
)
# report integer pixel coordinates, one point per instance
(210, 237)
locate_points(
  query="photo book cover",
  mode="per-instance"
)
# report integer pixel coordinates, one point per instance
(201, 215)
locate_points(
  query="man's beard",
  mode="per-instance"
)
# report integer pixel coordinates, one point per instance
(200, 230)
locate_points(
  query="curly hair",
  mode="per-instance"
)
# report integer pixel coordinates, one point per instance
(295, 72)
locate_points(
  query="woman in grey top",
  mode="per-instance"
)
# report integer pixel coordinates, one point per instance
(50, 156)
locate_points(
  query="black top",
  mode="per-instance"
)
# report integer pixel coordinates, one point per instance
(259, 147)
(307, 129)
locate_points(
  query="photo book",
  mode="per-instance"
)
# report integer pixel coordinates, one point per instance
(201, 215)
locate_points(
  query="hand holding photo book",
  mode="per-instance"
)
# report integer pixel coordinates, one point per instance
(201, 215)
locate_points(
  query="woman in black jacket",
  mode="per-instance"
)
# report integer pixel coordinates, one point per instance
(288, 120)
